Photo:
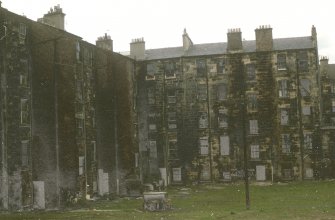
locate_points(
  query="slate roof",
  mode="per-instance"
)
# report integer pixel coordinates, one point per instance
(221, 48)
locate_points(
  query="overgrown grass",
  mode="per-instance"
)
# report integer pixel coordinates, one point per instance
(301, 200)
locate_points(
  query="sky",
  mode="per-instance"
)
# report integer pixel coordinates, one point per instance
(161, 22)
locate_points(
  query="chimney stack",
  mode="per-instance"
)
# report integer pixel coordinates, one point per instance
(137, 49)
(54, 17)
(234, 40)
(264, 40)
(187, 42)
(105, 42)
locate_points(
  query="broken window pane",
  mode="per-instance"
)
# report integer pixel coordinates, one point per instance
(308, 140)
(252, 102)
(284, 117)
(203, 120)
(286, 143)
(305, 89)
(281, 61)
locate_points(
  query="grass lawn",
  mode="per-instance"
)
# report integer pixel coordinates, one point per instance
(300, 200)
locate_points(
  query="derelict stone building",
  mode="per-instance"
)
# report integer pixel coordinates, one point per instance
(200, 105)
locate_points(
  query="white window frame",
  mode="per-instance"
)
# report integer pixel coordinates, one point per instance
(254, 151)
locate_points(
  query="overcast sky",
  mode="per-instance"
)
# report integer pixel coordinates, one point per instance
(161, 22)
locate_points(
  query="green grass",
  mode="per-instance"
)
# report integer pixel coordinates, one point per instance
(301, 200)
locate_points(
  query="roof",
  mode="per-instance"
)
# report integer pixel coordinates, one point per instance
(221, 48)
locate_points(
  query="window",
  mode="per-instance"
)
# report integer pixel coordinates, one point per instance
(151, 70)
(22, 33)
(203, 120)
(306, 110)
(203, 142)
(173, 149)
(286, 143)
(254, 151)
(176, 174)
(253, 126)
(24, 153)
(308, 140)
(281, 61)
(94, 150)
(152, 122)
(25, 119)
(153, 148)
(172, 120)
(151, 97)
(287, 173)
(24, 73)
(302, 61)
(220, 66)
(251, 75)
(79, 90)
(284, 117)
(81, 165)
(283, 88)
(201, 67)
(222, 92)
(305, 89)
(252, 102)
(170, 69)
(223, 118)
(332, 87)
(202, 92)
(171, 95)
(333, 105)
(80, 127)
(224, 145)
(78, 51)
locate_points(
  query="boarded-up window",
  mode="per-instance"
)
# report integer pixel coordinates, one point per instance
(203, 142)
(253, 126)
(251, 74)
(153, 148)
(281, 61)
(224, 145)
(222, 92)
(176, 174)
(306, 110)
(308, 140)
(254, 151)
(284, 117)
(201, 67)
(305, 87)
(223, 118)
(286, 143)
(283, 88)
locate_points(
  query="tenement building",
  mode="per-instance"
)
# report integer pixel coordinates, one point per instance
(64, 103)
(201, 105)
(78, 120)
